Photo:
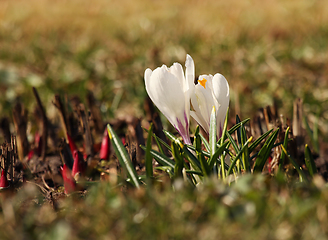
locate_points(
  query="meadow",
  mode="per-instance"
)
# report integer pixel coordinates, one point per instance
(271, 52)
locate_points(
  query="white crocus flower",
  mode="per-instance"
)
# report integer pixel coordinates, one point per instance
(169, 89)
(210, 91)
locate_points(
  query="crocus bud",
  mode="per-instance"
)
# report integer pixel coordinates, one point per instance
(3, 181)
(71, 143)
(105, 147)
(69, 182)
(38, 144)
(30, 155)
(123, 140)
(78, 166)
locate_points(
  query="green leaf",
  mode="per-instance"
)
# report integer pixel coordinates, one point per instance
(207, 154)
(223, 173)
(191, 158)
(167, 169)
(161, 158)
(309, 161)
(265, 152)
(123, 156)
(234, 128)
(239, 131)
(245, 154)
(148, 156)
(159, 145)
(275, 145)
(295, 164)
(254, 144)
(159, 140)
(179, 162)
(235, 147)
(171, 137)
(205, 142)
(234, 144)
(200, 156)
(194, 172)
(283, 155)
(233, 163)
(313, 134)
(217, 153)
(242, 138)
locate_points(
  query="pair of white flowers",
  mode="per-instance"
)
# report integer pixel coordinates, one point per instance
(173, 91)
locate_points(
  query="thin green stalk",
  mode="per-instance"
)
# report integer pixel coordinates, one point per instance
(223, 173)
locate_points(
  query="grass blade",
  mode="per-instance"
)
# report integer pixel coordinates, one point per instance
(205, 142)
(178, 167)
(159, 140)
(161, 158)
(123, 156)
(172, 137)
(233, 163)
(252, 147)
(191, 158)
(234, 128)
(218, 152)
(234, 144)
(148, 156)
(223, 173)
(245, 154)
(313, 134)
(283, 155)
(265, 152)
(200, 156)
(159, 146)
(239, 131)
(195, 172)
(309, 161)
(166, 169)
(295, 164)
(207, 154)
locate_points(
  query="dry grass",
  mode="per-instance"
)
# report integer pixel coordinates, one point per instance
(268, 50)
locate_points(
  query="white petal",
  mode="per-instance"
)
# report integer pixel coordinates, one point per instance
(222, 95)
(147, 75)
(165, 91)
(206, 102)
(200, 120)
(202, 101)
(195, 105)
(176, 70)
(190, 72)
(220, 88)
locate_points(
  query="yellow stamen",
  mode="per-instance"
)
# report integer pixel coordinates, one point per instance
(202, 82)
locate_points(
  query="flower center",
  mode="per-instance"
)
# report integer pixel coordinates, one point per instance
(202, 82)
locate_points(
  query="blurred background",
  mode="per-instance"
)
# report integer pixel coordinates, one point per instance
(271, 52)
